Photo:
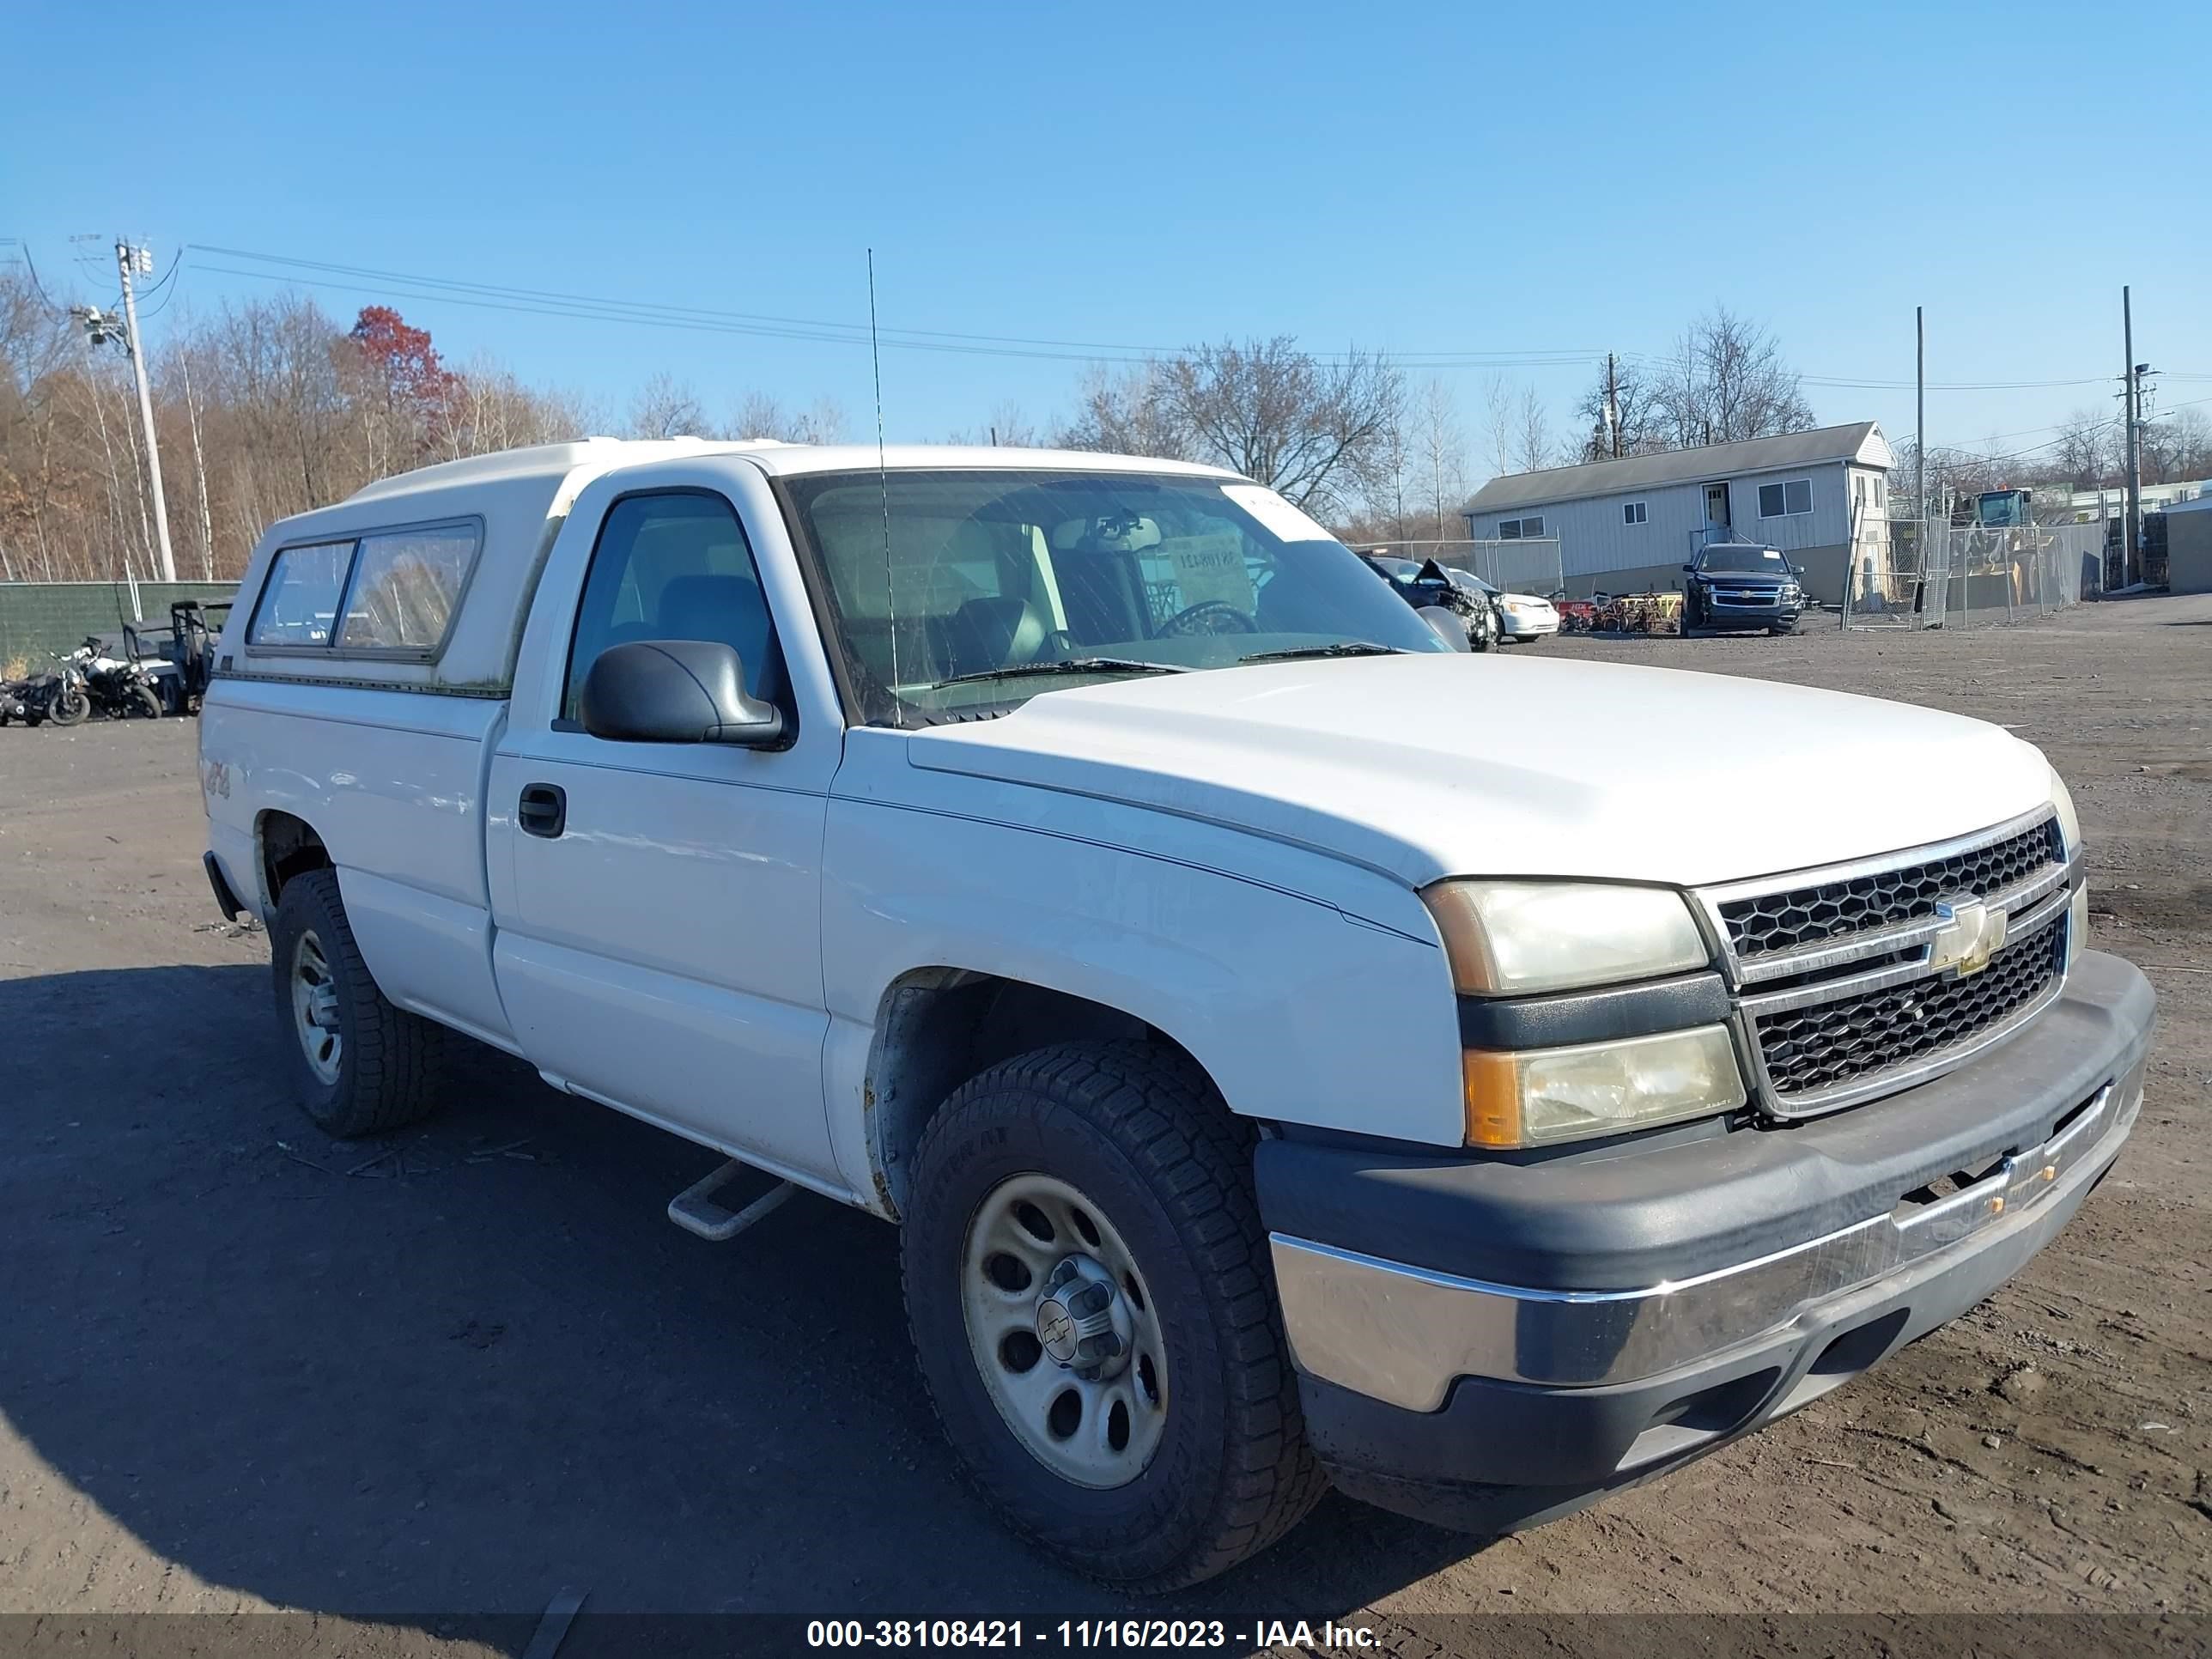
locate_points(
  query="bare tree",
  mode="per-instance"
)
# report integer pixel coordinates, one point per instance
(1532, 433)
(761, 415)
(666, 407)
(1498, 425)
(1439, 452)
(1308, 427)
(1128, 413)
(1727, 381)
(1283, 417)
(2176, 448)
(1008, 427)
(2087, 450)
(1637, 422)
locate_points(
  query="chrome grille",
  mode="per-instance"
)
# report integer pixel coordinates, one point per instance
(1811, 914)
(1832, 1043)
(1839, 989)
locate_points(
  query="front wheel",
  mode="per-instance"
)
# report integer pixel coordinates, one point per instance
(71, 707)
(144, 700)
(1088, 1287)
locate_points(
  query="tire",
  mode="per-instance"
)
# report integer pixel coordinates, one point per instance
(144, 700)
(1137, 1134)
(383, 1071)
(70, 708)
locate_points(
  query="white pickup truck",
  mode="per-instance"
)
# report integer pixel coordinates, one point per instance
(1293, 1052)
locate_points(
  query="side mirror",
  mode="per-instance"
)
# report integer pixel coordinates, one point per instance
(1448, 625)
(1687, 568)
(675, 691)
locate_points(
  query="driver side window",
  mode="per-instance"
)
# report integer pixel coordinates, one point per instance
(674, 566)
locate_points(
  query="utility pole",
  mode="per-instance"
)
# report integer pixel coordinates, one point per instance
(2131, 558)
(1612, 408)
(1920, 413)
(127, 257)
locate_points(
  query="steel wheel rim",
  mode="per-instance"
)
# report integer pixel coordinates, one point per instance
(315, 1008)
(1097, 1431)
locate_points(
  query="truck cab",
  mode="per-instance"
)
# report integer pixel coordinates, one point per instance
(1741, 585)
(1025, 848)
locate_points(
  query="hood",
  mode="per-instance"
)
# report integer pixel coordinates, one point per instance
(1423, 766)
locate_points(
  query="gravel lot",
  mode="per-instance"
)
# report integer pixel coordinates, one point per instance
(398, 1383)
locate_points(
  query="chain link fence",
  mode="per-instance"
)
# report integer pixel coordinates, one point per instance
(1530, 565)
(1963, 576)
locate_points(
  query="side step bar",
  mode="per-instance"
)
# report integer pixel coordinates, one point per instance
(694, 1209)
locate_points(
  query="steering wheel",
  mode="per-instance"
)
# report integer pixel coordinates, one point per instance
(1207, 617)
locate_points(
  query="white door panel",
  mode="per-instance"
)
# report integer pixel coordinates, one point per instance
(662, 950)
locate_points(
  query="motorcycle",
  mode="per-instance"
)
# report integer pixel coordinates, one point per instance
(119, 686)
(57, 695)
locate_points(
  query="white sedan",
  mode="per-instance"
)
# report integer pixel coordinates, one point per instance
(1521, 617)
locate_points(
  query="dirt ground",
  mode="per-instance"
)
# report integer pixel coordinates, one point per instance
(399, 1383)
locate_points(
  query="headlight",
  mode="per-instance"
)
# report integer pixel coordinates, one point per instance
(1510, 938)
(1547, 1095)
(2069, 826)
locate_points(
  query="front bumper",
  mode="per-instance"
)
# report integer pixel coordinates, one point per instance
(1487, 1343)
(1528, 627)
(1718, 613)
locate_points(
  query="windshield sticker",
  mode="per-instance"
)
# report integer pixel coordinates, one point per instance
(1276, 516)
(1210, 569)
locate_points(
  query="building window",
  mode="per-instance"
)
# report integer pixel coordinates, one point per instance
(1787, 499)
(1515, 530)
(1633, 512)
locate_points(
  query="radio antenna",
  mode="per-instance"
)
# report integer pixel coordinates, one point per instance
(884, 481)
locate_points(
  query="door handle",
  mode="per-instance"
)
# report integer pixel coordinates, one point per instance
(542, 810)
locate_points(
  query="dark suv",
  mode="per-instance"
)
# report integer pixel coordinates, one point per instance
(1741, 585)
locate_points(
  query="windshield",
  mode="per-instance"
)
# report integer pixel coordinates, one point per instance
(997, 585)
(1729, 556)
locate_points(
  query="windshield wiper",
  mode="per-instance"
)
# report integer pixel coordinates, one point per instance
(1070, 665)
(1342, 648)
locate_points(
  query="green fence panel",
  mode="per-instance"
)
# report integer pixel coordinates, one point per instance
(37, 618)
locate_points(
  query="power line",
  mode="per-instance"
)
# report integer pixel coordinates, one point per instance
(176, 264)
(603, 309)
(547, 302)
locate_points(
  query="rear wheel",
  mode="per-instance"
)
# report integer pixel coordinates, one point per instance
(363, 1067)
(1088, 1287)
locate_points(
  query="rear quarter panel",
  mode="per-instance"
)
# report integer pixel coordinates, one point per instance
(392, 782)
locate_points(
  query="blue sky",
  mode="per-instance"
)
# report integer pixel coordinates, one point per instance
(1528, 181)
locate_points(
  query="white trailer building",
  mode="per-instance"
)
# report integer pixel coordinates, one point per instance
(1630, 525)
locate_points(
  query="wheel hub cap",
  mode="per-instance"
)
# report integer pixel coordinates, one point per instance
(1063, 1332)
(315, 1008)
(1082, 1320)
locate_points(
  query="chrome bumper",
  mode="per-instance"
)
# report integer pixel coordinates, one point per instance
(1404, 1335)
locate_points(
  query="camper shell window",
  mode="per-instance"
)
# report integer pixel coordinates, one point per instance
(387, 593)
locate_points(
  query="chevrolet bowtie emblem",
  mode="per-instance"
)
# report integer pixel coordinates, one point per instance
(1972, 933)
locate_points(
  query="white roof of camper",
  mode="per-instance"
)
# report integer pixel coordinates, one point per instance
(519, 496)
